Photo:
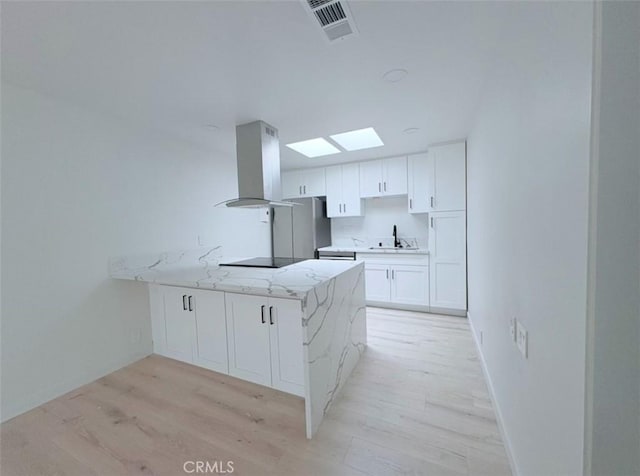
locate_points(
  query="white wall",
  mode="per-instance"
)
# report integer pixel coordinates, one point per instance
(76, 189)
(613, 377)
(528, 158)
(377, 224)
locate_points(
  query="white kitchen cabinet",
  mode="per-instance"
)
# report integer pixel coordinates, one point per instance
(343, 191)
(377, 282)
(386, 177)
(437, 179)
(419, 173)
(265, 341)
(409, 284)
(448, 253)
(303, 183)
(190, 326)
(397, 280)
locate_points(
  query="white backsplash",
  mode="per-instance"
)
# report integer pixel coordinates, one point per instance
(376, 226)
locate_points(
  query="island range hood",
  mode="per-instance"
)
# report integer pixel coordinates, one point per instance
(258, 156)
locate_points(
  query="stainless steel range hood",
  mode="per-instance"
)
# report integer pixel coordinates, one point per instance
(258, 156)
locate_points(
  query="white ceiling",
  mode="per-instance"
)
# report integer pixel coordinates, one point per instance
(177, 66)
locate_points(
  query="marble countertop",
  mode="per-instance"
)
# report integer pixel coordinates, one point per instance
(201, 269)
(417, 251)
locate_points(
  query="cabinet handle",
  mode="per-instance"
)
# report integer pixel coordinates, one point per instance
(184, 302)
(340, 207)
(385, 186)
(411, 204)
(190, 303)
(393, 274)
(379, 187)
(344, 207)
(300, 189)
(271, 315)
(431, 222)
(431, 202)
(304, 189)
(387, 274)
(262, 312)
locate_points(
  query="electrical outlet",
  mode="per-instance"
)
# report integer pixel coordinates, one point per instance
(512, 328)
(523, 340)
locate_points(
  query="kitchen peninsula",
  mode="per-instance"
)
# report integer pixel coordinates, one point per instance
(300, 329)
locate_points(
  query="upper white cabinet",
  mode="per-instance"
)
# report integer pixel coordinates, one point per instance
(191, 326)
(265, 341)
(379, 178)
(343, 191)
(303, 183)
(448, 255)
(419, 174)
(437, 179)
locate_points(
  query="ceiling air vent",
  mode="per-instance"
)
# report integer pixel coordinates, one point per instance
(334, 18)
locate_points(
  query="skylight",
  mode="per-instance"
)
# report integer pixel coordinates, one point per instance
(314, 147)
(359, 139)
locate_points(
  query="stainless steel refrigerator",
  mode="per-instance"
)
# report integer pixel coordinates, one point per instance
(300, 230)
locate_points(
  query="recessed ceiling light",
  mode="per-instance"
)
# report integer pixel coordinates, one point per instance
(359, 139)
(314, 147)
(411, 130)
(395, 75)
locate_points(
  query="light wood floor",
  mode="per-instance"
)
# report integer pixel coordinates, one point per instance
(416, 404)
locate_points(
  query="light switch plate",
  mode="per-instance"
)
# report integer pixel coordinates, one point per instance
(522, 340)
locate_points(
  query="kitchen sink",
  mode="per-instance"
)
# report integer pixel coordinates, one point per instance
(409, 248)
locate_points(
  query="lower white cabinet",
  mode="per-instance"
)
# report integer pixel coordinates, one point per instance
(190, 325)
(448, 253)
(254, 338)
(265, 341)
(394, 280)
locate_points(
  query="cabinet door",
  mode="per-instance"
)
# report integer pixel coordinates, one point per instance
(291, 184)
(450, 177)
(448, 262)
(377, 287)
(394, 177)
(285, 332)
(179, 324)
(351, 202)
(410, 285)
(371, 179)
(420, 176)
(334, 190)
(248, 338)
(211, 330)
(314, 184)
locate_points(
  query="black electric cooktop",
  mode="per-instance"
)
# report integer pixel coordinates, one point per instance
(265, 262)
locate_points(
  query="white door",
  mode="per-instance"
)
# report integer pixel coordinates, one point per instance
(377, 282)
(394, 176)
(410, 285)
(291, 186)
(450, 177)
(314, 184)
(448, 262)
(420, 174)
(334, 190)
(285, 331)
(351, 202)
(179, 324)
(248, 338)
(211, 330)
(371, 179)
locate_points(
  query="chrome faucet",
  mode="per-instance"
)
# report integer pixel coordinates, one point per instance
(396, 241)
